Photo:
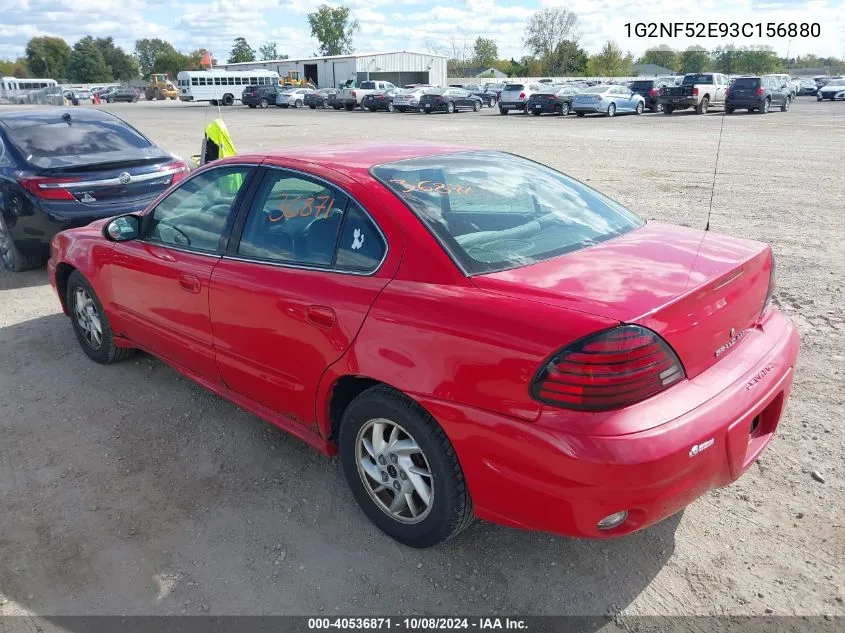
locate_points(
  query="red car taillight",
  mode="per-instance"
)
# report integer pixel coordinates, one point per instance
(353, 94)
(521, 96)
(695, 91)
(727, 92)
(47, 188)
(182, 170)
(652, 92)
(609, 370)
(760, 92)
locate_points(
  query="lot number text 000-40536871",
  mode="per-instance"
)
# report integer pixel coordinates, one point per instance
(722, 29)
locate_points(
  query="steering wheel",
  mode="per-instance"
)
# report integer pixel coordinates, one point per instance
(183, 239)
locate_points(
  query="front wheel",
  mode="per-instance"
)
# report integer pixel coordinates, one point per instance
(264, 103)
(657, 108)
(252, 106)
(502, 111)
(668, 109)
(785, 107)
(491, 103)
(297, 103)
(390, 106)
(640, 107)
(402, 109)
(729, 110)
(476, 106)
(580, 113)
(450, 108)
(402, 469)
(90, 323)
(701, 108)
(611, 109)
(564, 109)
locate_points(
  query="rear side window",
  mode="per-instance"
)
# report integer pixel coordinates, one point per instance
(50, 138)
(642, 85)
(746, 82)
(368, 85)
(493, 211)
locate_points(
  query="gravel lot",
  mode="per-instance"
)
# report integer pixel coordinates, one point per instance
(128, 489)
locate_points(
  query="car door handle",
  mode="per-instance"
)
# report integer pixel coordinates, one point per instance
(190, 283)
(320, 316)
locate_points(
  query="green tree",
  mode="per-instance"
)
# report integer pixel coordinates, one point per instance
(610, 62)
(270, 50)
(695, 59)
(47, 56)
(122, 66)
(14, 68)
(726, 59)
(86, 63)
(757, 60)
(193, 60)
(149, 51)
(171, 63)
(241, 52)
(567, 59)
(663, 55)
(485, 52)
(546, 29)
(334, 29)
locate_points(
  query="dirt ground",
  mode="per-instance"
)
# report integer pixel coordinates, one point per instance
(127, 489)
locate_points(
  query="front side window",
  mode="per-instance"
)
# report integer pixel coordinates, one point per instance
(303, 221)
(194, 216)
(493, 211)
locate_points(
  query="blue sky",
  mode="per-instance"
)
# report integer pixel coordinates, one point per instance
(401, 24)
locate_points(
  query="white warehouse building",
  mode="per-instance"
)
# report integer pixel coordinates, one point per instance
(399, 68)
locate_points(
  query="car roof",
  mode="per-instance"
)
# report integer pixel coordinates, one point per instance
(358, 155)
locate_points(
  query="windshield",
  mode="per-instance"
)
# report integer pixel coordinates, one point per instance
(494, 211)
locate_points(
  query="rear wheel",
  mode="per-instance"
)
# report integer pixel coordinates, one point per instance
(297, 103)
(228, 100)
(90, 323)
(701, 108)
(786, 103)
(668, 109)
(764, 108)
(502, 111)
(657, 108)
(640, 107)
(563, 109)
(536, 112)
(491, 102)
(264, 103)
(450, 108)
(11, 256)
(402, 469)
(476, 106)
(611, 109)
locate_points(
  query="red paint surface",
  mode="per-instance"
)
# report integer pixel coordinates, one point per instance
(276, 339)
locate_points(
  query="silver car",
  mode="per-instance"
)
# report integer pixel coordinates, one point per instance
(608, 100)
(409, 98)
(292, 97)
(515, 97)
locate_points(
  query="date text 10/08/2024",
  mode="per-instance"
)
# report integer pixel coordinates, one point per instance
(418, 623)
(722, 29)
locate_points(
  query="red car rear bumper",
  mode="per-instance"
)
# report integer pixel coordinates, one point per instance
(541, 476)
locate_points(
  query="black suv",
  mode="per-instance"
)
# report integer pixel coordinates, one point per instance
(130, 95)
(649, 89)
(259, 96)
(758, 93)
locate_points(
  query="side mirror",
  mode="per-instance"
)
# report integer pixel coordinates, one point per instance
(122, 228)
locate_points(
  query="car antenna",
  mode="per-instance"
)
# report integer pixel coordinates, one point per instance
(67, 118)
(712, 191)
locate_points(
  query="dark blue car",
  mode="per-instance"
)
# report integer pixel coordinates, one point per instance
(62, 168)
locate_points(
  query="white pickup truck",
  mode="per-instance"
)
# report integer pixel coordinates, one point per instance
(696, 90)
(351, 97)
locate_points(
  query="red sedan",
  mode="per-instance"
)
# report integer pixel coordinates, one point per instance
(476, 334)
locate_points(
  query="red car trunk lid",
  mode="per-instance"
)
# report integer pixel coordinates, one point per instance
(701, 300)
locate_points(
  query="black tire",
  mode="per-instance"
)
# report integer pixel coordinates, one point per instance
(107, 352)
(451, 510)
(390, 106)
(701, 108)
(349, 107)
(491, 103)
(786, 104)
(450, 107)
(536, 112)
(312, 106)
(476, 106)
(832, 96)
(657, 108)
(213, 102)
(729, 110)
(580, 113)
(668, 109)
(402, 109)
(764, 109)
(611, 110)
(252, 107)
(297, 103)
(371, 109)
(640, 107)
(11, 257)
(337, 107)
(264, 103)
(228, 100)
(564, 109)
(502, 111)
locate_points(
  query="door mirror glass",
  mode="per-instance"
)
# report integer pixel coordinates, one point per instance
(122, 229)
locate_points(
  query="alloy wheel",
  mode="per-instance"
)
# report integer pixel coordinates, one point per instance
(87, 318)
(394, 471)
(7, 254)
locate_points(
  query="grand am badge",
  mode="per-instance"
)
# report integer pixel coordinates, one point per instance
(695, 450)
